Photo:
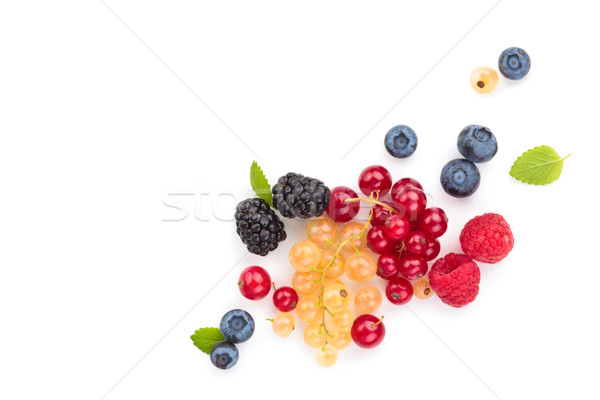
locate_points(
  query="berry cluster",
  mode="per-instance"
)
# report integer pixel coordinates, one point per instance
(331, 292)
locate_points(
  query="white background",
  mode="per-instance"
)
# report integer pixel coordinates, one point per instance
(105, 112)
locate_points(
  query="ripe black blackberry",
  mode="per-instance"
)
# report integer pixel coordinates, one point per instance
(258, 226)
(299, 196)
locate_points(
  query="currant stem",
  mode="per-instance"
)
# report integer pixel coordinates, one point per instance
(378, 322)
(357, 199)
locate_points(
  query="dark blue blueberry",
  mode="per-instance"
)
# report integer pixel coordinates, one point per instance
(224, 355)
(514, 63)
(401, 141)
(237, 326)
(460, 178)
(477, 143)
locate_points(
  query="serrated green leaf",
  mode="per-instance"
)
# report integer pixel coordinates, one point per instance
(206, 338)
(538, 166)
(260, 184)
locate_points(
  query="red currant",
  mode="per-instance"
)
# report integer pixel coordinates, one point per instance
(338, 209)
(416, 243)
(433, 222)
(373, 178)
(399, 291)
(285, 298)
(410, 202)
(412, 267)
(367, 331)
(432, 250)
(378, 242)
(388, 266)
(254, 283)
(380, 213)
(396, 227)
(404, 183)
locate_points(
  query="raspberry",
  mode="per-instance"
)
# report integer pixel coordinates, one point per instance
(299, 196)
(258, 226)
(455, 279)
(487, 238)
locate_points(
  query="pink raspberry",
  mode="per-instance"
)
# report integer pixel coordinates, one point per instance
(455, 279)
(487, 238)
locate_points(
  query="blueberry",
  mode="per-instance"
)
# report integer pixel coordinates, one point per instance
(477, 143)
(224, 355)
(460, 178)
(237, 326)
(401, 141)
(514, 63)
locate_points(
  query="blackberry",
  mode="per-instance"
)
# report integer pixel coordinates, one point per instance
(258, 226)
(299, 196)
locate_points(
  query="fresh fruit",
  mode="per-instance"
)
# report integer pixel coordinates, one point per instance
(285, 298)
(338, 209)
(484, 80)
(432, 250)
(340, 339)
(422, 289)
(299, 196)
(367, 331)
(433, 222)
(401, 141)
(306, 282)
(304, 255)
(337, 268)
(388, 266)
(350, 230)
(322, 231)
(224, 355)
(455, 279)
(477, 143)
(342, 320)
(413, 267)
(487, 238)
(367, 299)
(381, 213)
(375, 177)
(410, 202)
(258, 226)
(254, 283)
(314, 335)
(416, 243)
(514, 63)
(460, 178)
(360, 267)
(404, 183)
(237, 326)
(399, 291)
(396, 227)
(327, 356)
(336, 297)
(283, 324)
(308, 309)
(378, 242)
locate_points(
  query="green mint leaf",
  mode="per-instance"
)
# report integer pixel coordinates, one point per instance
(206, 338)
(538, 166)
(260, 184)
